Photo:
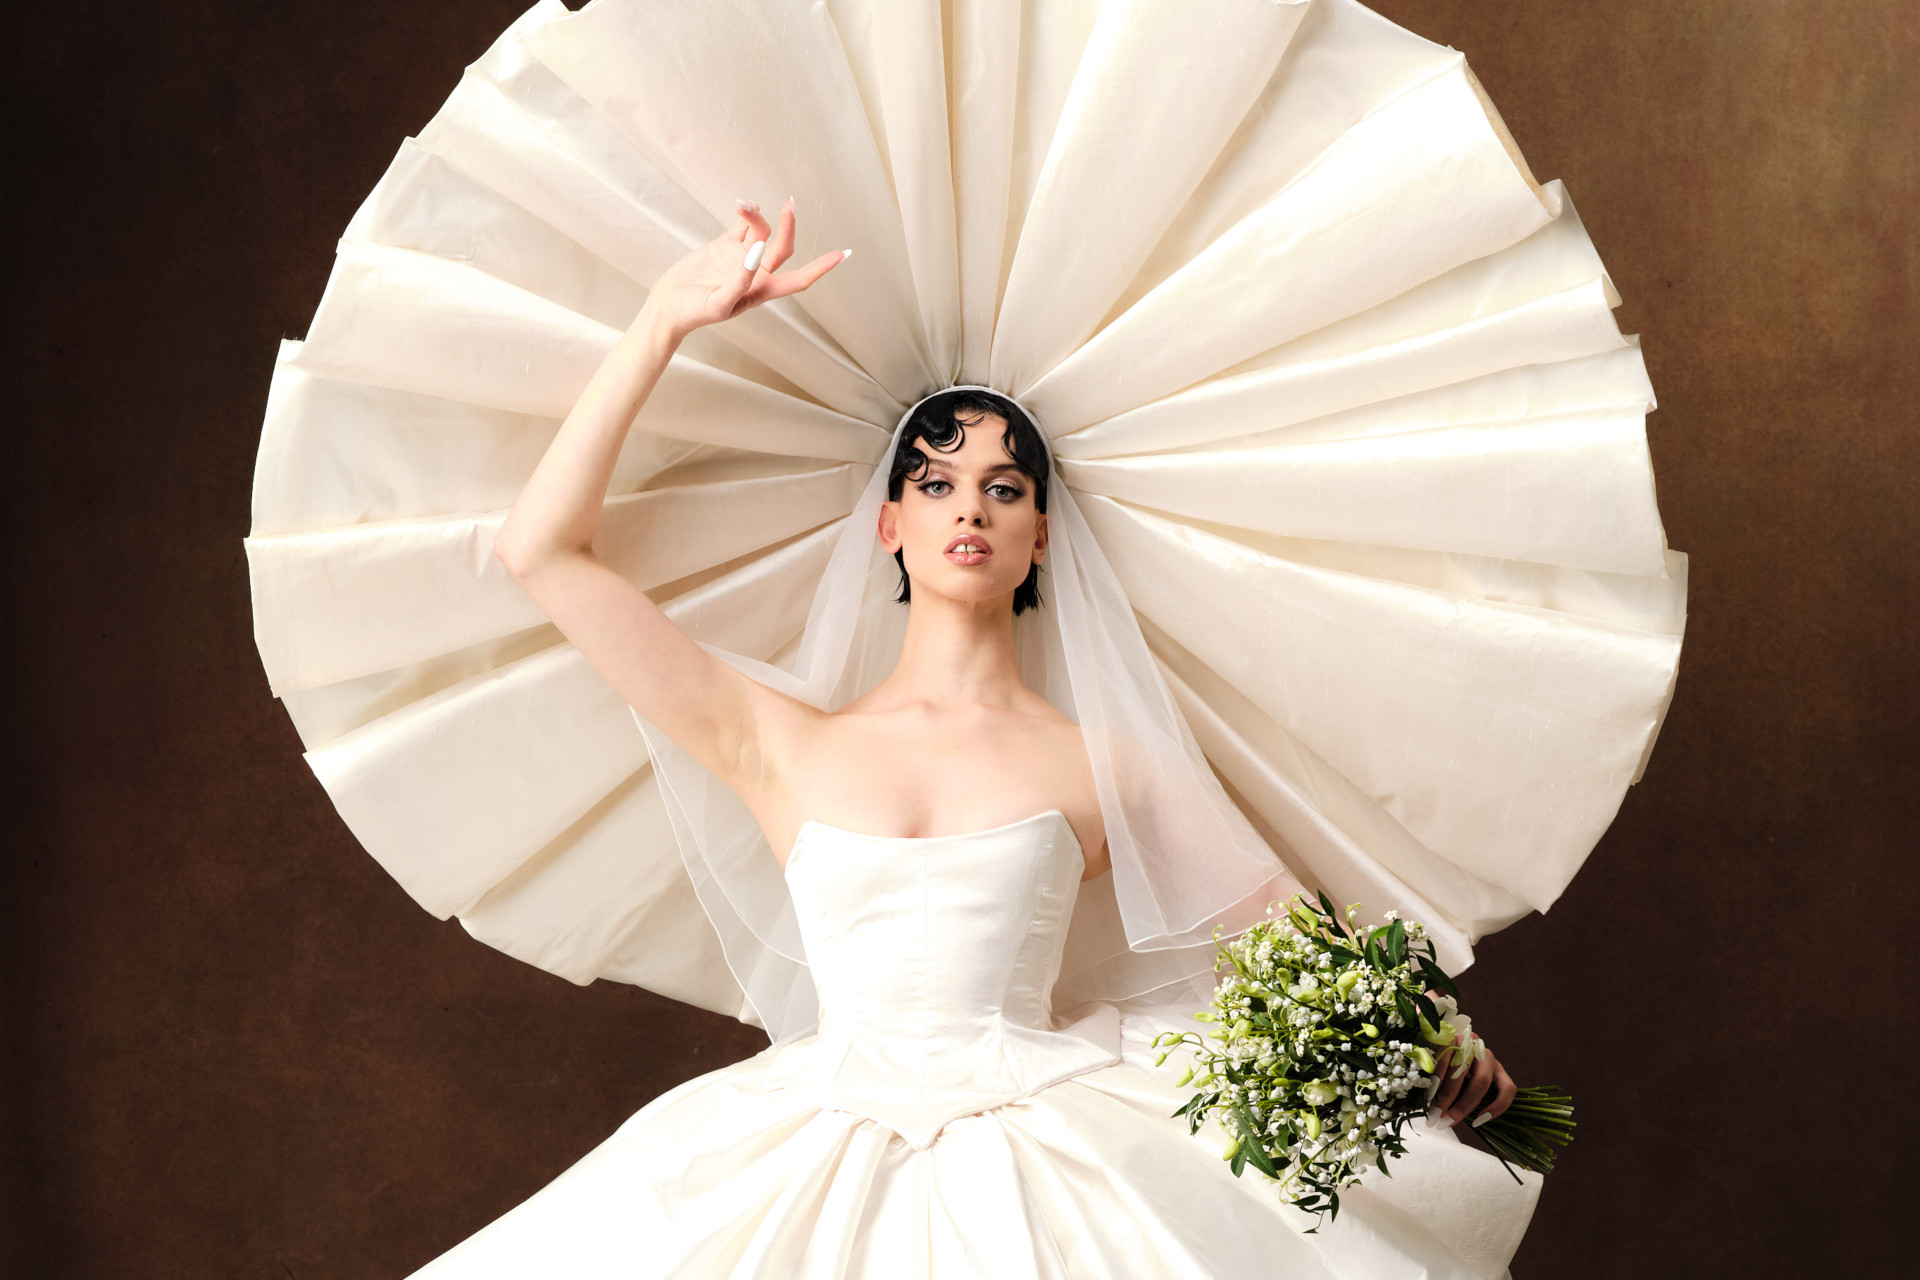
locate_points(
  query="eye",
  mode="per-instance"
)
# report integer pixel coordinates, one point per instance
(1005, 492)
(934, 488)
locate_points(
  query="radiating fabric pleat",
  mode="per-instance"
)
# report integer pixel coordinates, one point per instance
(368, 597)
(1158, 91)
(1510, 491)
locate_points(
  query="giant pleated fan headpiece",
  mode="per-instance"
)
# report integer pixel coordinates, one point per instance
(1363, 584)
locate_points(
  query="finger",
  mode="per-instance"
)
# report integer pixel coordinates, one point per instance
(1448, 1085)
(749, 274)
(1478, 1081)
(800, 277)
(756, 227)
(780, 243)
(1504, 1090)
(755, 255)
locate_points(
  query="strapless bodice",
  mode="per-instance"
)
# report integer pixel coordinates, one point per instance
(935, 960)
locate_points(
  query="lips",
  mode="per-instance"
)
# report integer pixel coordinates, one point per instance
(968, 548)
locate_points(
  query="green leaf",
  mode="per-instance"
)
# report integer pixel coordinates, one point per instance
(1437, 978)
(1326, 905)
(1251, 1141)
(1396, 941)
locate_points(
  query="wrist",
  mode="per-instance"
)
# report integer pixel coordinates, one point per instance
(656, 329)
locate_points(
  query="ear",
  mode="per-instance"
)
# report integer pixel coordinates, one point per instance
(1040, 540)
(889, 526)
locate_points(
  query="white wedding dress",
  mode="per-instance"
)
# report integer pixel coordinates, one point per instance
(946, 1122)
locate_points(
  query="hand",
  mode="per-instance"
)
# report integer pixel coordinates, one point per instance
(1456, 1098)
(713, 283)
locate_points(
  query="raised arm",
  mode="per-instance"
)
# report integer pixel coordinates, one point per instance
(710, 709)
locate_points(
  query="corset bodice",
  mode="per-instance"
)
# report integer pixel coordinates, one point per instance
(935, 959)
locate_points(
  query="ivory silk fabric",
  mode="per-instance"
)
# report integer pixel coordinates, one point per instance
(947, 1122)
(1334, 383)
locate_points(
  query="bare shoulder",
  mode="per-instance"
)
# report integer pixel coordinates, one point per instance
(1053, 727)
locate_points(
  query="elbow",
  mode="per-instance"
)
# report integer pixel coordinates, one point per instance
(528, 546)
(526, 559)
(519, 559)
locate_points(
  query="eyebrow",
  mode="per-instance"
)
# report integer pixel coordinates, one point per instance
(994, 470)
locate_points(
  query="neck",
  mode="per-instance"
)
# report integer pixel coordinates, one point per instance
(956, 653)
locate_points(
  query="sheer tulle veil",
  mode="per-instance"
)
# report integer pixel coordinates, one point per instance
(1184, 857)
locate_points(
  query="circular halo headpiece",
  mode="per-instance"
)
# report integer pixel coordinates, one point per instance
(1333, 381)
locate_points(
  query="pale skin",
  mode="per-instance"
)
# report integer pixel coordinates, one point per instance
(952, 741)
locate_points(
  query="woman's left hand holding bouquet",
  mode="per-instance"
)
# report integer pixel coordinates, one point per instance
(1486, 1078)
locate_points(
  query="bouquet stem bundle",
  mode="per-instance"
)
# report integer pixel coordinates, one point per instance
(1539, 1119)
(1327, 1039)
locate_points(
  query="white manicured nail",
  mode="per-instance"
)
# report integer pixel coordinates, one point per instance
(747, 206)
(845, 254)
(754, 254)
(1482, 1118)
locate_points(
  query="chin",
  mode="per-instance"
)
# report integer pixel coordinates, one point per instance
(964, 587)
(979, 594)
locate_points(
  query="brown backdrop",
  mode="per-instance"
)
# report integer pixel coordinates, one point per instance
(235, 1048)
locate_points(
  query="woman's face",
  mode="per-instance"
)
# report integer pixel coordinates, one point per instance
(967, 526)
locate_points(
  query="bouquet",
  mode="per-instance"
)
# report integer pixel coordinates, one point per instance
(1326, 1042)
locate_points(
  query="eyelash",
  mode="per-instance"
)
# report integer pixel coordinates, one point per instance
(1012, 493)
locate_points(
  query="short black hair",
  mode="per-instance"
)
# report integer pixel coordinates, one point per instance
(940, 422)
